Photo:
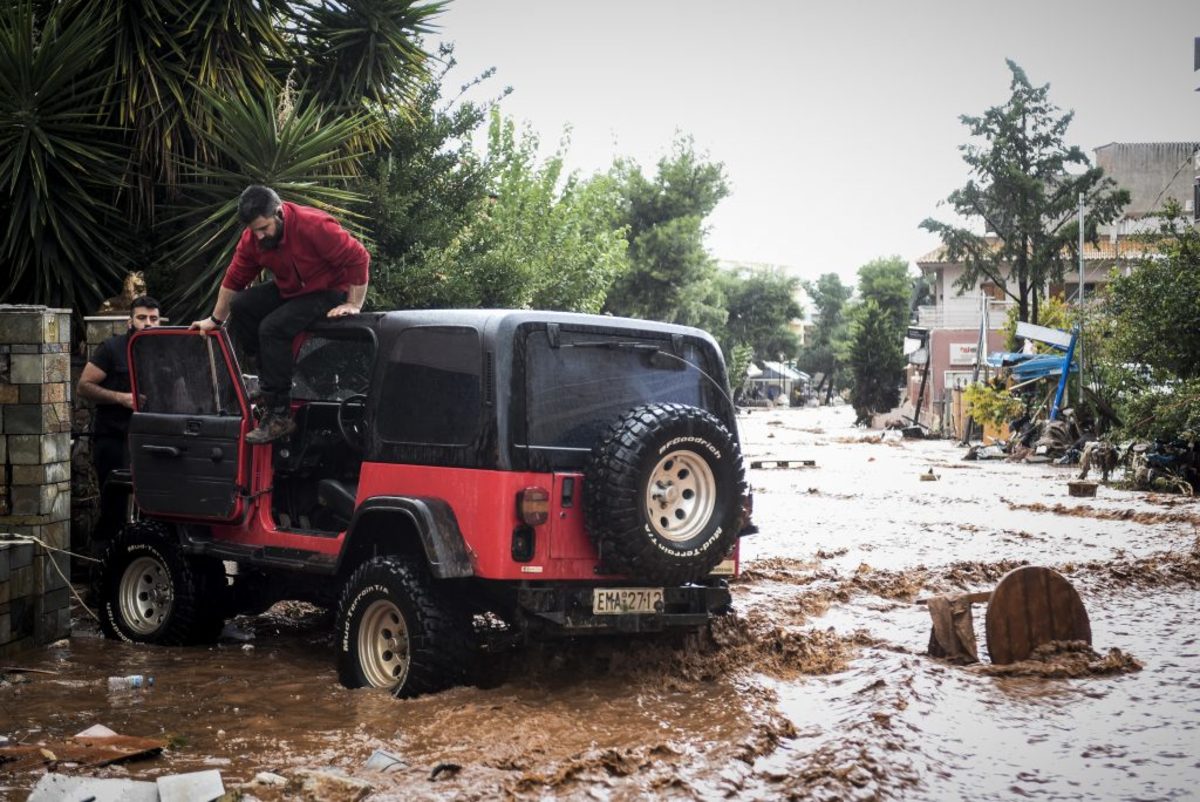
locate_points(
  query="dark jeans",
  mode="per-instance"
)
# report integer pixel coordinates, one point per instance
(109, 453)
(264, 324)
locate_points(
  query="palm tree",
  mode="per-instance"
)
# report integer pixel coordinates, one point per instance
(129, 123)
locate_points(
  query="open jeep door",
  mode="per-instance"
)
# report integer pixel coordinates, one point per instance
(186, 434)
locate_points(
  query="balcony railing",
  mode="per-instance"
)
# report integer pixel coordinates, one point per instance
(963, 314)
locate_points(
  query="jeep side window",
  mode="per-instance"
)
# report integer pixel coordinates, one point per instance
(332, 368)
(431, 390)
(183, 375)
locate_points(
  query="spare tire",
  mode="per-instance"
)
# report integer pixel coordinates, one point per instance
(662, 494)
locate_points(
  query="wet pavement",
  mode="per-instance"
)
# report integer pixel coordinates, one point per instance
(819, 686)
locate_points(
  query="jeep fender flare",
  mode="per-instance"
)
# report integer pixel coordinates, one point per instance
(445, 549)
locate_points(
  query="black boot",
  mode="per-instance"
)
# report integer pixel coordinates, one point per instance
(275, 424)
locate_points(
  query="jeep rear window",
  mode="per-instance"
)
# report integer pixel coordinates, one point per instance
(183, 374)
(431, 389)
(574, 391)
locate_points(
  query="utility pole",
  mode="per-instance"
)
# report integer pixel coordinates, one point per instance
(1080, 344)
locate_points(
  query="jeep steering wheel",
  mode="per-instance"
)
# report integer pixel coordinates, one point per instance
(351, 420)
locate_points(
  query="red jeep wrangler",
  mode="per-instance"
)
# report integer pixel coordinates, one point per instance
(565, 473)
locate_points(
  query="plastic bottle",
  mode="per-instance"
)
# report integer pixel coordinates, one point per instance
(132, 682)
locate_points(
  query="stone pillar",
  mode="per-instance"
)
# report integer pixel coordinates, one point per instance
(35, 452)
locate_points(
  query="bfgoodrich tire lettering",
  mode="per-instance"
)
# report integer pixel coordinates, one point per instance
(662, 493)
(151, 592)
(394, 631)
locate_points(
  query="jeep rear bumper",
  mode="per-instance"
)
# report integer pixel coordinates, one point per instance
(568, 610)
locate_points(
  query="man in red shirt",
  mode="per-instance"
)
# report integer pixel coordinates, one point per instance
(318, 270)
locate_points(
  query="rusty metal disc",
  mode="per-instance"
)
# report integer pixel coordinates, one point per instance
(1032, 606)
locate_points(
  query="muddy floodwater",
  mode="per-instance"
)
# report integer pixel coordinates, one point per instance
(819, 686)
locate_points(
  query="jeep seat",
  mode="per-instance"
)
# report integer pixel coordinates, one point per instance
(338, 497)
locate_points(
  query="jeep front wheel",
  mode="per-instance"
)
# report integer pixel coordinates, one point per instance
(662, 493)
(395, 632)
(151, 592)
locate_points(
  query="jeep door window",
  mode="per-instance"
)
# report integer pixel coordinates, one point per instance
(183, 375)
(577, 387)
(431, 391)
(333, 368)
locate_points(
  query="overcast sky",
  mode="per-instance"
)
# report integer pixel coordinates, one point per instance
(837, 121)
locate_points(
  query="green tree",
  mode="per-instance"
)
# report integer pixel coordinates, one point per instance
(1024, 188)
(543, 239)
(1149, 344)
(876, 360)
(820, 354)
(887, 282)
(760, 307)
(672, 277)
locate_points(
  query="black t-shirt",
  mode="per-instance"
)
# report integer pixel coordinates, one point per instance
(110, 357)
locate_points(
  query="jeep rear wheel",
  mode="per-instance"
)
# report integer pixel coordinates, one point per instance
(395, 632)
(662, 493)
(151, 592)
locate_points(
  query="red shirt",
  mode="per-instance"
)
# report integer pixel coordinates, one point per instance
(315, 254)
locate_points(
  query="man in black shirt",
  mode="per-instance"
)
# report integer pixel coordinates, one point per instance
(105, 381)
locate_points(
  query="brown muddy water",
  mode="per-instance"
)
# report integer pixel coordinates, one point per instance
(818, 687)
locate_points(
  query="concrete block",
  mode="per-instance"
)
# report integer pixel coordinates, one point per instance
(28, 474)
(25, 348)
(24, 500)
(56, 447)
(25, 449)
(20, 327)
(9, 393)
(54, 579)
(29, 393)
(20, 554)
(56, 501)
(57, 418)
(21, 583)
(23, 419)
(57, 367)
(61, 328)
(58, 535)
(27, 369)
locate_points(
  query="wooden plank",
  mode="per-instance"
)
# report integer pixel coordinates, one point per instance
(1031, 606)
(783, 463)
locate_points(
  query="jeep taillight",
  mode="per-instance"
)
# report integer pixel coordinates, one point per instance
(533, 505)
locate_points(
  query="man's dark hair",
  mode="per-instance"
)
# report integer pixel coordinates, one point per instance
(257, 201)
(144, 301)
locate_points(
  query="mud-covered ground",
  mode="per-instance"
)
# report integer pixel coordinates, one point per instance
(818, 687)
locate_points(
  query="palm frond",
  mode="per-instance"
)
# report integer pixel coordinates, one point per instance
(306, 156)
(60, 163)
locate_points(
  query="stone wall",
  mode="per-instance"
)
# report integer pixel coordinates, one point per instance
(35, 454)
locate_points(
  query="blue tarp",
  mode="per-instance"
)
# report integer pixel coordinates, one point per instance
(1025, 367)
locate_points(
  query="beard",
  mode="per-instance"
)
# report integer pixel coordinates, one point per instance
(271, 243)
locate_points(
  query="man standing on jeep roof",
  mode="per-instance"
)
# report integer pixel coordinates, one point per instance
(318, 270)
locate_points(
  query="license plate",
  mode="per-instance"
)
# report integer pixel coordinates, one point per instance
(616, 601)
